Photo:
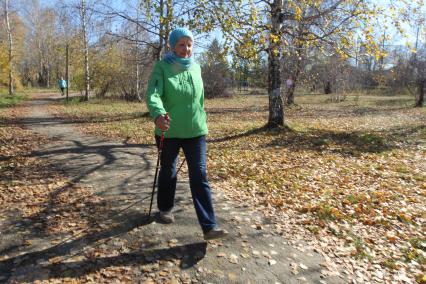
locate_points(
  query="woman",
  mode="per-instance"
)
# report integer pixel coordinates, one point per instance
(62, 85)
(175, 99)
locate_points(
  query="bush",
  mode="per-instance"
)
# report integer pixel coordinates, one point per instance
(215, 85)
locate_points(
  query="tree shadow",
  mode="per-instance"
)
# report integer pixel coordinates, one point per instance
(67, 245)
(80, 120)
(303, 111)
(70, 248)
(77, 167)
(349, 111)
(345, 143)
(194, 251)
(348, 143)
(236, 110)
(251, 132)
(75, 161)
(406, 134)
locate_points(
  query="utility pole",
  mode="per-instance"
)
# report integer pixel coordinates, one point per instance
(67, 76)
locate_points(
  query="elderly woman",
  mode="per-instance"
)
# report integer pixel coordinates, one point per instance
(175, 99)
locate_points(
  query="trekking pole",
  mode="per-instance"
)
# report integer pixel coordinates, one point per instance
(160, 148)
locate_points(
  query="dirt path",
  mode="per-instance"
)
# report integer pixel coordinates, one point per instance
(130, 249)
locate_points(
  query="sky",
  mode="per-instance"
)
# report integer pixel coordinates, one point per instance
(397, 39)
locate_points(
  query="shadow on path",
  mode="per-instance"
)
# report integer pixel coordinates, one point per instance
(68, 250)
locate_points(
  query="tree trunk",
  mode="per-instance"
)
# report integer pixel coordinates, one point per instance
(158, 52)
(41, 81)
(289, 99)
(10, 46)
(164, 27)
(276, 112)
(86, 50)
(169, 15)
(420, 98)
(48, 77)
(327, 88)
(138, 96)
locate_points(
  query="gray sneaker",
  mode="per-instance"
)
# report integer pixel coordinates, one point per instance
(167, 217)
(215, 233)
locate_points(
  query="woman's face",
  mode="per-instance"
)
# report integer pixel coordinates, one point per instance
(183, 47)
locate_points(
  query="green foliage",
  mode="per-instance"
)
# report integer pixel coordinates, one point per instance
(8, 101)
(73, 101)
(106, 65)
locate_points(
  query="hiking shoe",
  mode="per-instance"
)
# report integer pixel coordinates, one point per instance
(215, 233)
(167, 217)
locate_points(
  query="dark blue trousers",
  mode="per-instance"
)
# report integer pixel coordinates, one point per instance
(195, 154)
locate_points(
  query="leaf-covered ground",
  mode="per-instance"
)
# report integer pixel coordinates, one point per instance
(350, 177)
(67, 234)
(36, 199)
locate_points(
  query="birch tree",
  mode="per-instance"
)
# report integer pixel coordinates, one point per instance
(419, 64)
(83, 14)
(264, 26)
(137, 83)
(10, 46)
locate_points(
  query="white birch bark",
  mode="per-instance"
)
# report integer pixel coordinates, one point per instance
(10, 45)
(276, 111)
(83, 12)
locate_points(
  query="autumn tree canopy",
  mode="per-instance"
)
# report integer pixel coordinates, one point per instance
(292, 36)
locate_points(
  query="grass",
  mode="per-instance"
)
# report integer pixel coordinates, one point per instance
(413, 254)
(327, 212)
(8, 101)
(361, 251)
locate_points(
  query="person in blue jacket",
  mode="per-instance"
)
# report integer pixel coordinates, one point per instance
(62, 85)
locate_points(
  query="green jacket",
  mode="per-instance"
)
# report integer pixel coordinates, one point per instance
(181, 94)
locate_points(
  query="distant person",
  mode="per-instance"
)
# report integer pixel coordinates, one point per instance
(289, 82)
(62, 85)
(175, 99)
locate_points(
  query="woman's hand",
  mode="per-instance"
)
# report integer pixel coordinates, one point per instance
(163, 122)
